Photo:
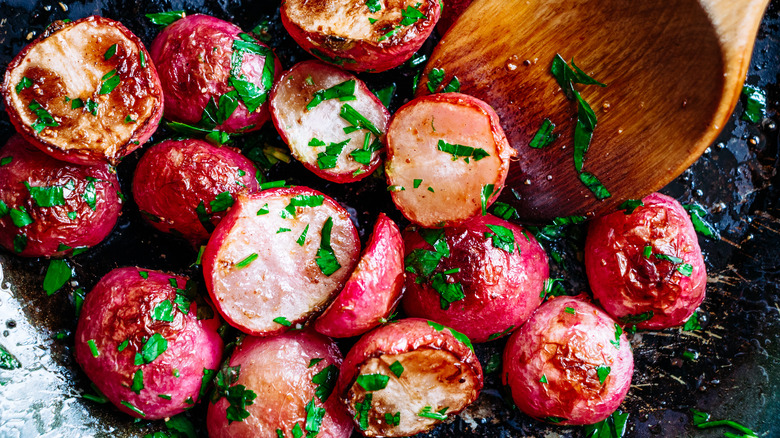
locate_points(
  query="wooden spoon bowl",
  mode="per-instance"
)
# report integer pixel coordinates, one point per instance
(674, 69)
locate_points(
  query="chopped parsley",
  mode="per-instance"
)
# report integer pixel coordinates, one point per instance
(129, 119)
(128, 405)
(373, 382)
(281, 320)
(364, 154)
(488, 191)
(502, 238)
(246, 261)
(702, 421)
(329, 158)
(7, 360)
(396, 368)
(373, 5)
(237, 396)
(326, 258)
(385, 95)
(361, 411)
(613, 426)
(44, 119)
(618, 332)
(543, 379)
(697, 214)
(138, 381)
(592, 182)
(755, 104)
(314, 361)
(273, 184)
(436, 78)
(427, 412)
(460, 151)
(24, 83)
(544, 136)
(501, 333)
(20, 217)
(570, 310)
(393, 420)
(692, 323)
(165, 18)
(90, 194)
(6, 160)
(110, 81)
(344, 91)
(357, 120)
(163, 311)
(603, 372)
(326, 381)
(636, 319)
(57, 274)
(263, 210)
(302, 238)
(249, 93)
(93, 348)
(629, 205)
(153, 348)
(449, 292)
(110, 52)
(314, 416)
(20, 243)
(505, 211)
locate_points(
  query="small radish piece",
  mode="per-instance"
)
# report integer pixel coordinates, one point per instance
(85, 91)
(645, 267)
(332, 122)
(278, 257)
(279, 386)
(373, 290)
(483, 278)
(214, 75)
(148, 341)
(53, 208)
(570, 363)
(372, 36)
(408, 376)
(447, 159)
(185, 186)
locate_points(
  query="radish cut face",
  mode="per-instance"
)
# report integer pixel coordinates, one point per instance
(273, 262)
(432, 381)
(359, 35)
(314, 106)
(447, 159)
(84, 92)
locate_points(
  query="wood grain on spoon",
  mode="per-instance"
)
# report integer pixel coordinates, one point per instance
(674, 69)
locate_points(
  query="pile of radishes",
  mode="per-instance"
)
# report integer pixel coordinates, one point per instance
(283, 264)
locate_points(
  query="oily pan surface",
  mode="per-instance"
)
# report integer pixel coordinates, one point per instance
(736, 376)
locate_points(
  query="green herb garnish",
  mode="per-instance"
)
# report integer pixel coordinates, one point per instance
(396, 368)
(357, 120)
(427, 412)
(502, 238)
(138, 381)
(326, 381)
(502, 333)
(373, 382)
(57, 274)
(154, 347)
(326, 258)
(755, 104)
(343, 92)
(24, 83)
(110, 81)
(603, 372)
(281, 320)
(110, 52)
(93, 348)
(165, 18)
(44, 119)
(163, 311)
(629, 205)
(460, 151)
(544, 136)
(247, 261)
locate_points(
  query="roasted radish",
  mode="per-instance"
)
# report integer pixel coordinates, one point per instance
(373, 289)
(51, 208)
(483, 278)
(371, 36)
(645, 267)
(278, 257)
(408, 376)
(148, 341)
(84, 91)
(279, 386)
(447, 159)
(185, 186)
(332, 122)
(214, 75)
(569, 364)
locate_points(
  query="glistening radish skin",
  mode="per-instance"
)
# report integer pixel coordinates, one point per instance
(50, 207)
(645, 267)
(374, 288)
(185, 186)
(85, 91)
(278, 258)
(569, 364)
(361, 36)
(488, 277)
(447, 159)
(214, 75)
(407, 376)
(331, 121)
(148, 342)
(287, 383)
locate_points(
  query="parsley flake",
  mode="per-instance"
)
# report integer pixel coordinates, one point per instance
(326, 381)
(373, 382)
(344, 91)
(396, 368)
(544, 136)
(326, 258)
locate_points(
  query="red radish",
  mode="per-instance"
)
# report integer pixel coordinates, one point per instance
(279, 257)
(569, 364)
(447, 159)
(49, 207)
(201, 58)
(646, 267)
(407, 376)
(85, 91)
(371, 36)
(148, 342)
(185, 186)
(372, 292)
(288, 381)
(315, 108)
(489, 278)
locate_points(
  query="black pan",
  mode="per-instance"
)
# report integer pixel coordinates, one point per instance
(736, 375)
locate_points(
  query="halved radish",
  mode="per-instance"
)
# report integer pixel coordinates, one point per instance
(374, 35)
(447, 158)
(332, 122)
(408, 376)
(84, 91)
(278, 257)
(373, 290)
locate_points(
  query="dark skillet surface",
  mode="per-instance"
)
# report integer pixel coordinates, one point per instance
(737, 375)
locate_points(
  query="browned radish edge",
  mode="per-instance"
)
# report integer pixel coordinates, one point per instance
(315, 107)
(260, 211)
(361, 36)
(374, 288)
(128, 60)
(490, 192)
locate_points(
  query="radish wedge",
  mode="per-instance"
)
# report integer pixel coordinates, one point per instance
(85, 92)
(315, 108)
(278, 257)
(373, 290)
(447, 159)
(371, 36)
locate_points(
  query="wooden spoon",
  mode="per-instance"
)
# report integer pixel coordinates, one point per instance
(674, 69)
